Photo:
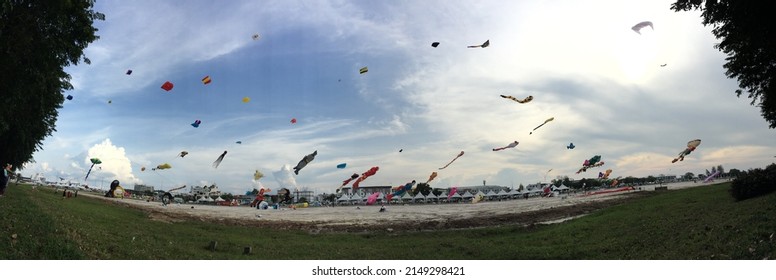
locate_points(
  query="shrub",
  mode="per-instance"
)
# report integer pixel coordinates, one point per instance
(755, 182)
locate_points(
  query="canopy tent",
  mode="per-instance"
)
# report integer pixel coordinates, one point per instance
(419, 198)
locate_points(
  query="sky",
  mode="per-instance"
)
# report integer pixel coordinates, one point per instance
(601, 82)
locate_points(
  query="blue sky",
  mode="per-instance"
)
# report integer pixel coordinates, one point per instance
(580, 61)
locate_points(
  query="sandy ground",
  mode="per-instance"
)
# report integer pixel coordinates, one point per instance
(398, 217)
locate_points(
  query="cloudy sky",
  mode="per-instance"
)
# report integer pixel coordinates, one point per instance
(601, 81)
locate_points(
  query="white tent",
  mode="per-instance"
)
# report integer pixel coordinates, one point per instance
(456, 196)
(563, 188)
(406, 197)
(219, 199)
(467, 195)
(419, 198)
(343, 199)
(356, 198)
(431, 196)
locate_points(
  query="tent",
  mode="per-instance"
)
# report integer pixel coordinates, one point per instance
(419, 198)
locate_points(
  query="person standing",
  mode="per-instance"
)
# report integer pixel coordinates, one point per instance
(5, 178)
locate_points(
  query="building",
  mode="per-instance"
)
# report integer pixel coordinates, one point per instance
(143, 188)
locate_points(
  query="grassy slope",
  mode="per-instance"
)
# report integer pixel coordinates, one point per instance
(696, 223)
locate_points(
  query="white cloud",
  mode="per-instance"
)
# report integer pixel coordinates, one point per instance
(114, 161)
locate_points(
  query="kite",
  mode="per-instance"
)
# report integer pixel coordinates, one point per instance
(196, 123)
(167, 196)
(115, 189)
(305, 160)
(341, 165)
(372, 198)
(435, 44)
(430, 178)
(456, 157)
(484, 45)
(605, 174)
(69, 97)
(526, 100)
(142, 168)
(595, 161)
(167, 86)
(206, 80)
(218, 161)
(352, 177)
(259, 197)
(239, 142)
(663, 65)
(690, 147)
(129, 72)
(255, 36)
(614, 183)
(293, 120)
(183, 154)
(545, 122)
(163, 166)
(402, 189)
(511, 145)
(365, 175)
(641, 25)
(571, 146)
(363, 70)
(452, 192)
(94, 161)
(478, 198)
(545, 174)
(257, 175)
(711, 177)
(246, 99)
(401, 150)
(286, 193)
(110, 101)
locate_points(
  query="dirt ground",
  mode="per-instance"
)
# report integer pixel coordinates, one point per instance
(397, 217)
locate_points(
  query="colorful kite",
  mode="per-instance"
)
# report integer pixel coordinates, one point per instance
(129, 72)
(525, 100)
(605, 174)
(363, 70)
(183, 154)
(167, 86)
(293, 120)
(448, 164)
(595, 161)
(435, 44)
(257, 175)
(219, 159)
(571, 146)
(342, 165)
(365, 175)
(430, 178)
(206, 80)
(690, 147)
(545, 122)
(641, 25)
(196, 123)
(69, 97)
(511, 145)
(484, 45)
(344, 183)
(94, 161)
(305, 160)
(246, 99)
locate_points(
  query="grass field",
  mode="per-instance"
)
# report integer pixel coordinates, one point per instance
(695, 223)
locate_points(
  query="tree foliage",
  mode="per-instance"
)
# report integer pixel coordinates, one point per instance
(746, 30)
(38, 39)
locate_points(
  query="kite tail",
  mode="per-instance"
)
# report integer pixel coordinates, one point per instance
(90, 171)
(449, 163)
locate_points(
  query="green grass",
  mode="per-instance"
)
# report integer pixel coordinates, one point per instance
(696, 223)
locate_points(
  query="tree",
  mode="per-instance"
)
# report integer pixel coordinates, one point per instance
(721, 171)
(746, 31)
(713, 170)
(423, 188)
(688, 175)
(38, 39)
(734, 172)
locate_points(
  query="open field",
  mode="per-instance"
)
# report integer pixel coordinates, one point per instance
(682, 223)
